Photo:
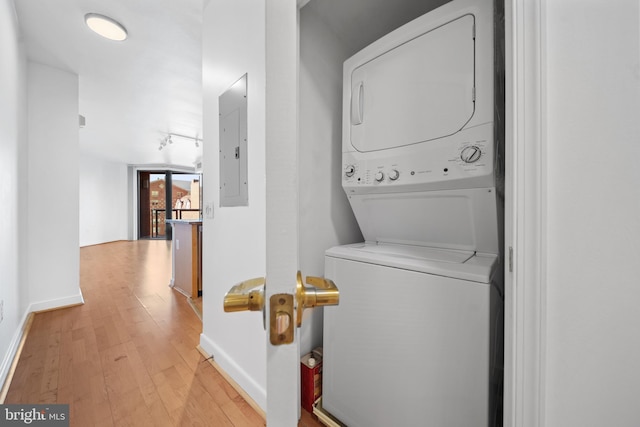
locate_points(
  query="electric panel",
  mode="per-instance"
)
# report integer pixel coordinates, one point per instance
(233, 145)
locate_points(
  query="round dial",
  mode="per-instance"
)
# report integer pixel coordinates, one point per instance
(394, 174)
(349, 170)
(471, 154)
(379, 176)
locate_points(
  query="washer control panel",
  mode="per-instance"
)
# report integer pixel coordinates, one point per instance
(432, 163)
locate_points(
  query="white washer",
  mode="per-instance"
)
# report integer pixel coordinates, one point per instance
(412, 341)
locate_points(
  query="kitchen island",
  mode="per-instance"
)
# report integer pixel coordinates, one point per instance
(186, 256)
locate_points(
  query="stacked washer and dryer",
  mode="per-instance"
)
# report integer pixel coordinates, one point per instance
(416, 338)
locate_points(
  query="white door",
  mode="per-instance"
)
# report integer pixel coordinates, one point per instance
(283, 361)
(283, 296)
(282, 261)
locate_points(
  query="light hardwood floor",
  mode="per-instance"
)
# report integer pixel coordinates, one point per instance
(128, 355)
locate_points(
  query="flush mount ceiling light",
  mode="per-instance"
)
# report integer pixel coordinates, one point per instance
(105, 26)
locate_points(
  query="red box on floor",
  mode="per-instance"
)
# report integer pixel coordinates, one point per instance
(311, 378)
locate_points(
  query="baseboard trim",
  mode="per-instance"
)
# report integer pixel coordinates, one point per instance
(233, 384)
(246, 386)
(13, 355)
(195, 308)
(86, 245)
(56, 304)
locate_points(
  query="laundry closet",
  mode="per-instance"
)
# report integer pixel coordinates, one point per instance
(401, 146)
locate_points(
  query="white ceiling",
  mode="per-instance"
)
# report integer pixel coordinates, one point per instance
(132, 93)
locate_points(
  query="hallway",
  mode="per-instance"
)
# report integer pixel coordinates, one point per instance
(128, 355)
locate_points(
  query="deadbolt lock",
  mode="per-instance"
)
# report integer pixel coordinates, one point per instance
(281, 319)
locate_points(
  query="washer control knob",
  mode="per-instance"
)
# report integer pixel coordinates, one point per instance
(394, 174)
(349, 170)
(471, 154)
(379, 176)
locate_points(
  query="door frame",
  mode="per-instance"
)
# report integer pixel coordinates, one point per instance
(525, 196)
(525, 214)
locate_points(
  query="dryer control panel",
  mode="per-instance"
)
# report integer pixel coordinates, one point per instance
(465, 160)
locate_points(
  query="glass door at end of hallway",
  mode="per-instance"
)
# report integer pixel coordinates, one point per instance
(164, 195)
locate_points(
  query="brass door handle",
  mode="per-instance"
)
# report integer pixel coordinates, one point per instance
(249, 296)
(323, 292)
(245, 296)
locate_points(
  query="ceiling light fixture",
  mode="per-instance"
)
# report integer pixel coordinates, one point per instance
(106, 27)
(163, 142)
(168, 140)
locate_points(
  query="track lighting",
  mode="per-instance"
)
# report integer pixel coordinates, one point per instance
(168, 140)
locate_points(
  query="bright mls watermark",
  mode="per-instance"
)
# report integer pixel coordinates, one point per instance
(34, 415)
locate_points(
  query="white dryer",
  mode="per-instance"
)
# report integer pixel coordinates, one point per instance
(414, 340)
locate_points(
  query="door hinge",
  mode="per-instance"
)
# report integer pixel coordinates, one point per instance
(510, 259)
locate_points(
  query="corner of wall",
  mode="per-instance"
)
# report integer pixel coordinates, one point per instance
(10, 356)
(56, 303)
(52, 251)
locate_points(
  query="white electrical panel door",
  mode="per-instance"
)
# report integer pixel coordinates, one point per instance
(418, 91)
(233, 145)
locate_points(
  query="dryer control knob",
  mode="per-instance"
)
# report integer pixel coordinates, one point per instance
(349, 170)
(471, 154)
(379, 176)
(394, 174)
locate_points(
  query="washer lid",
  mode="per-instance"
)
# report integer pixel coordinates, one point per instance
(421, 90)
(457, 264)
(464, 219)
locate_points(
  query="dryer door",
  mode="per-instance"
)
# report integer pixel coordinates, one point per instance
(418, 91)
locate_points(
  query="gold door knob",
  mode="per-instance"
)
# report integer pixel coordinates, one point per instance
(323, 292)
(246, 296)
(249, 296)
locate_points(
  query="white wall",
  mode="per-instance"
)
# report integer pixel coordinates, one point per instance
(591, 60)
(103, 201)
(234, 240)
(13, 295)
(326, 219)
(52, 195)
